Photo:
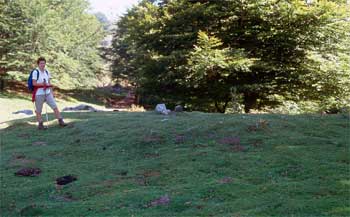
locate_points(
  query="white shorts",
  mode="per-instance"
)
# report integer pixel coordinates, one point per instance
(40, 99)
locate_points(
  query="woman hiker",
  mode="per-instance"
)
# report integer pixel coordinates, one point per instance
(43, 93)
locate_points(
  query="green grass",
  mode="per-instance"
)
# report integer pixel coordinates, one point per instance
(12, 102)
(288, 166)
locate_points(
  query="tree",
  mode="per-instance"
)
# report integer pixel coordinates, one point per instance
(211, 70)
(12, 39)
(269, 51)
(62, 31)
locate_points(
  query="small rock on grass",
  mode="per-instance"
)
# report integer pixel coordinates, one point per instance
(28, 172)
(65, 180)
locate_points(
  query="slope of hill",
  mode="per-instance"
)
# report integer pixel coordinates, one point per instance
(187, 164)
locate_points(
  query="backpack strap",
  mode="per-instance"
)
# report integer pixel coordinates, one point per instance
(37, 72)
(47, 73)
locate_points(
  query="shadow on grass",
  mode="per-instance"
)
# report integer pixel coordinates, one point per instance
(30, 122)
(102, 96)
(16, 90)
(15, 95)
(70, 117)
(98, 96)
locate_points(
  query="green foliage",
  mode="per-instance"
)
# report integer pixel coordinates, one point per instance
(205, 60)
(194, 52)
(12, 38)
(289, 166)
(61, 31)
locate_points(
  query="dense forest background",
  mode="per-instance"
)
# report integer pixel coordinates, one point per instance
(215, 56)
(60, 30)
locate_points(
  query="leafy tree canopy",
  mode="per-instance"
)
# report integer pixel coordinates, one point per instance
(195, 52)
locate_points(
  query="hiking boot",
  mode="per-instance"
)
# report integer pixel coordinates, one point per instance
(61, 122)
(41, 126)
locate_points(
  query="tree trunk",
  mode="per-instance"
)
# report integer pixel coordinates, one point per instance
(2, 79)
(223, 108)
(2, 84)
(250, 101)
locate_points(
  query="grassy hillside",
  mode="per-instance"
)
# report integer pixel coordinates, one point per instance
(10, 104)
(16, 97)
(189, 164)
